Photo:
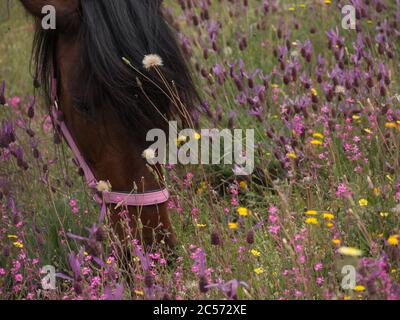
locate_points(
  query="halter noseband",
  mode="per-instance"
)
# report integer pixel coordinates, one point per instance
(119, 198)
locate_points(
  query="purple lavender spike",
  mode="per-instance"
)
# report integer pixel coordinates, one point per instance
(117, 294)
(2, 93)
(103, 213)
(75, 265)
(76, 237)
(64, 276)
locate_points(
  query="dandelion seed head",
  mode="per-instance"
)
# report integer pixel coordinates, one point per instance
(103, 186)
(149, 154)
(151, 61)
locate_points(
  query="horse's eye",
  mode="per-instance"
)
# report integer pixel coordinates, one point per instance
(80, 104)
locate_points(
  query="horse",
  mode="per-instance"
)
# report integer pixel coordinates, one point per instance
(107, 106)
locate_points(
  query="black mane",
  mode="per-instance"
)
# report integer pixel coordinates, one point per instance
(108, 31)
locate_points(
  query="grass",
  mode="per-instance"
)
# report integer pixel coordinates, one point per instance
(285, 245)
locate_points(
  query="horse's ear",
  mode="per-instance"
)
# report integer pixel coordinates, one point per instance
(66, 10)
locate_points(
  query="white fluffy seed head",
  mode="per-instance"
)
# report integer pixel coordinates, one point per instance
(152, 60)
(103, 186)
(149, 154)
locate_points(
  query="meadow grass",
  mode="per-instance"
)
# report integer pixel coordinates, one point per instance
(326, 183)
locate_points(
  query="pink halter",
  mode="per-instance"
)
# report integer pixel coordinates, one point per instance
(119, 198)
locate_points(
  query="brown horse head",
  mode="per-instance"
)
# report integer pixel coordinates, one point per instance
(108, 107)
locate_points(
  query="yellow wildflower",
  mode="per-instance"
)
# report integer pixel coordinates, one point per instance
(363, 202)
(316, 142)
(255, 252)
(368, 130)
(232, 225)
(202, 187)
(318, 135)
(302, 5)
(389, 178)
(200, 225)
(356, 117)
(314, 92)
(336, 241)
(377, 191)
(181, 140)
(311, 212)
(259, 270)
(275, 86)
(359, 288)
(328, 216)
(292, 155)
(197, 136)
(328, 1)
(243, 212)
(312, 221)
(243, 184)
(346, 298)
(18, 244)
(390, 125)
(393, 240)
(109, 261)
(12, 236)
(139, 292)
(384, 214)
(292, 9)
(330, 225)
(348, 251)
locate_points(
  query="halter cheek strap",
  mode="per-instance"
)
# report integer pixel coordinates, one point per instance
(119, 198)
